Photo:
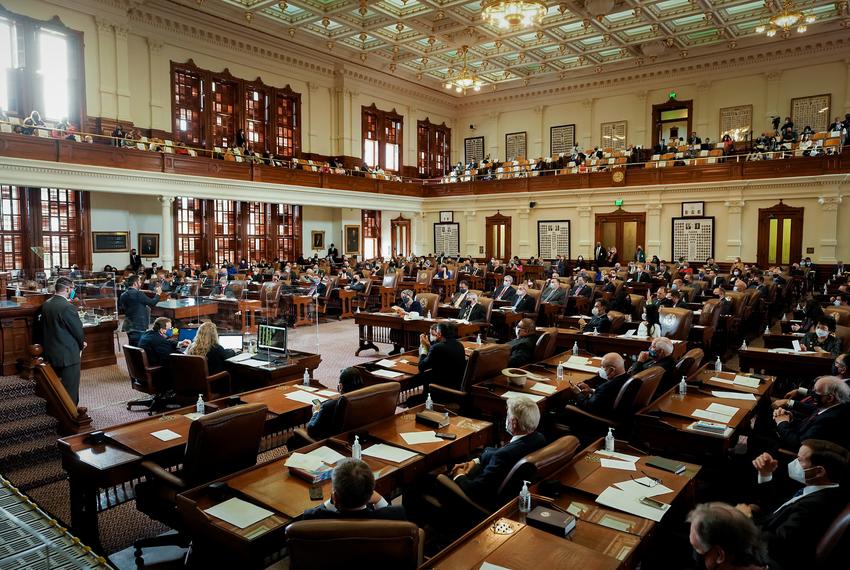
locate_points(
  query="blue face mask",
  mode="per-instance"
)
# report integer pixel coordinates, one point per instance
(169, 332)
(72, 294)
(652, 353)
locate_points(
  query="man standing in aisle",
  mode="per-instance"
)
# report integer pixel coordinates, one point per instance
(136, 305)
(64, 339)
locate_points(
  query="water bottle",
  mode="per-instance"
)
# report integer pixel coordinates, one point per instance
(199, 405)
(575, 348)
(17, 289)
(355, 448)
(744, 345)
(429, 403)
(609, 440)
(358, 310)
(429, 315)
(524, 498)
(824, 289)
(767, 329)
(718, 366)
(478, 340)
(683, 385)
(306, 377)
(784, 317)
(559, 372)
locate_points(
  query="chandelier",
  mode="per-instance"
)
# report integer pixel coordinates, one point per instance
(465, 78)
(505, 14)
(786, 19)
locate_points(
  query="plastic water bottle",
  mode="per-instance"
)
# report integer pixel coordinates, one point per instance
(429, 403)
(683, 385)
(575, 348)
(306, 377)
(767, 329)
(718, 366)
(355, 448)
(478, 340)
(524, 498)
(358, 310)
(784, 317)
(199, 405)
(17, 289)
(824, 289)
(744, 345)
(559, 372)
(429, 315)
(609, 440)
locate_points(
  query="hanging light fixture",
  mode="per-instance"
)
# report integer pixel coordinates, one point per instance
(506, 14)
(464, 79)
(785, 20)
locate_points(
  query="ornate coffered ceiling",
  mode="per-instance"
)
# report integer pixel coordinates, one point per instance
(421, 40)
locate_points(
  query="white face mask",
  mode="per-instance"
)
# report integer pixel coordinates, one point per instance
(821, 333)
(603, 373)
(516, 332)
(796, 472)
(506, 283)
(837, 303)
(595, 312)
(643, 317)
(508, 426)
(432, 337)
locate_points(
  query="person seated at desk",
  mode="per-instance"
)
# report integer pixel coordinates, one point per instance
(480, 478)
(505, 291)
(442, 353)
(649, 325)
(136, 306)
(472, 310)
(800, 402)
(829, 421)
(443, 273)
(356, 285)
(794, 528)
(610, 283)
(522, 347)
(822, 338)
(169, 283)
(642, 275)
(597, 395)
(811, 316)
(676, 300)
(722, 537)
(223, 290)
(158, 342)
(553, 293)
(581, 288)
(354, 496)
(320, 423)
(660, 353)
(459, 298)
(408, 304)
(206, 345)
(600, 323)
(523, 302)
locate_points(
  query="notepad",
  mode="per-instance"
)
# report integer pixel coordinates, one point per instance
(630, 503)
(580, 360)
(723, 409)
(240, 357)
(617, 464)
(511, 394)
(648, 488)
(616, 455)
(715, 417)
(306, 388)
(387, 373)
(327, 393)
(387, 363)
(543, 388)
(193, 416)
(239, 513)
(166, 435)
(747, 381)
(304, 397)
(327, 455)
(733, 395)
(418, 437)
(488, 566)
(389, 453)
(304, 461)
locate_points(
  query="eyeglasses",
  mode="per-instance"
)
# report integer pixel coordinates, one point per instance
(653, 480)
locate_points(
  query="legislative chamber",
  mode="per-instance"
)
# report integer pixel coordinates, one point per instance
(420, 284)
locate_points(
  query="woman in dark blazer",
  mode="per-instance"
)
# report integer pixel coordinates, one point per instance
(206, 345)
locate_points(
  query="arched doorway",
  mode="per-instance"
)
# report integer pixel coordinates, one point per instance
(498, 241)
(623, 230)
(780, 235)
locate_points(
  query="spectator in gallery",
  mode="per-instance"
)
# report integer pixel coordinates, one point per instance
(117, 135)
(240, 138)
(31, 123)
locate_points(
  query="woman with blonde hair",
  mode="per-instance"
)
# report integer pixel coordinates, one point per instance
(206, 345)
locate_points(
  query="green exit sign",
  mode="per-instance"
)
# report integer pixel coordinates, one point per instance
(618, 202)
(672, 94)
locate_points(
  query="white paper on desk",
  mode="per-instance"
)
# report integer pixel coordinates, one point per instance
(389, 453)
(239, 513)
(304, 397)
(256, 363)
(417, 437)
(386, 363)
(626, 502)
(306, 388)
(617, 455)
(796, 345)
(580, 360)
(543, 388)
(193, 416)
(387, 373)
(240, 357)
(733, 395)
(533, 397)
(488, 566)
(326, 454)
(723, 409)
(715, 417)
(304, 461)
(582, 368)
(166, 435)
(721, 380)
(634, 488)
(617, 464)
(328, 393)
(632, 332)
(747, 381)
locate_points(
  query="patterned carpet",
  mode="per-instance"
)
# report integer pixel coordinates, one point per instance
(32, 463)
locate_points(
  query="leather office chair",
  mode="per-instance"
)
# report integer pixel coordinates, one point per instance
(638, 302)
(675, 322)
(219, 444)
(534, 467)
(840, 314)
(546, 345)
(843, 333)
(690, 364)
(423, 280)
(487, 303)
(827, 553)
(356, 409)
(365, 543)
(618, 321)
(191, 377)
(143, 377)
(429, 302)
(482, 364)
(709, 320)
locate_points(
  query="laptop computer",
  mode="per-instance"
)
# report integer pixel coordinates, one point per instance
(230, 340)
(186, 334)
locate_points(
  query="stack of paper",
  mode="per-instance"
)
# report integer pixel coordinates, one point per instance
(239, 513)
(614, 460)
(543, 388)
(533, 397)
(747, 381)
(389, 453)
(166, 435)
(629, 502)
(717, 413)
(387, 373)
(304, 397)
(580, 363)
(386, 363)
(417, 437)
(733, 395)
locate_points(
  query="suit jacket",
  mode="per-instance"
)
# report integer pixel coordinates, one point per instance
(471, 312)
(600, 254)
(550, 296)
(135, 262)
(459, 296)
(507, 293)
(395, 513)
(524, 305)
(831, 425)
(157, 347)
(413, 307)
(136, 307)
(359, 287)
(601, 401)
(584, 291)
(601, 324)
(522, 350)
(642, 277)
(447, 362)
(319, 426)
(63, 332)
(482, 482)
(669, 366)
(216, 357)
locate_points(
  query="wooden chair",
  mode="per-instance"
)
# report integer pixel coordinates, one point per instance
(546, 345)
(482, 364)
(191, 377)
(143, 377)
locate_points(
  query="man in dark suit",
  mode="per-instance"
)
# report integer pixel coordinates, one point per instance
(523, 302)
(472, 310)
(158, 342)
(660, 353)
(793, 528)
(459, 298)
(354, 497)
(522, 347)
(481, 477)
(600, 322)
(554, 293)
(442, 354)
(598, 395)
(642, 275)
(722, 537)
(136, 306)
(581, 289)
(320, 423)
(333, 252)
(831, 395)
(600, 254)
(505, 291)
(64, 339)
(561, 266)
(135, 261)
(356, 285)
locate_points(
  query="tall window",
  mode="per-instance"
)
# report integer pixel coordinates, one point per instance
(370, 220)
(11, 228)
(288, 232)
(190, 231)
(256, 117)
(256, 229)
(433, 148)
(8, 60)
(382, 134)
(225, 231)
(59, 226)
(53, 72)
(223, 113)
(188, 105)
(287, 122)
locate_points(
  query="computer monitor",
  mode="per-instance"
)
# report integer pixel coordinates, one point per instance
(232, 341)
(187, 334)
(271, 338)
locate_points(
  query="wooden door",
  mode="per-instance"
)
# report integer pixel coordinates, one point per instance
(498, 241)
(400, 236)
(780, 235)
(623, 230)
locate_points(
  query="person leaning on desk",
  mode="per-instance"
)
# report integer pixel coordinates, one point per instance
(159, 344)
(408, 304)
(354, 496)
(206, 345)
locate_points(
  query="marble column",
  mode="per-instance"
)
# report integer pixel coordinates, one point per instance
(828, 229)
(166, 244)
(420, 243)
(585, 233)
(523, 243)
(701, 119)
(106, 68)
(470, 246)
(653, 231)
(734, 209)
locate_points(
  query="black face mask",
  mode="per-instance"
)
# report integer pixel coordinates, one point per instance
(699, 560)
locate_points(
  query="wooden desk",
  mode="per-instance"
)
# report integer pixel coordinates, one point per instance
(406, 364)
(784, 340)
(389, 328)
(291, 371)
(600, 344)
(589, 547)
(784, 364)
(189, 309)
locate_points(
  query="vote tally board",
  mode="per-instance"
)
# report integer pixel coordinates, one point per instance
(553, 238)
(447, 238)
(693, 238)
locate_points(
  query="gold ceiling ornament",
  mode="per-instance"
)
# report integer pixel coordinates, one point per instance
(498, 44)
(330, 46)
(465, 79)
(525, 82)
(291, 32)
(419, 76)
(506, 14)
(362, 36)
(785, 20)
(539, 35)
(440, 15)
(562, 48)
(683, 53)
(326, 22)
(363, 56)
(283, 6)
(363, 10)
(638, 11)
(396, 49)
(562, 8)
(392, 67)
(399, 27)
(249, 17)
(732, 44)
(425, 61)
(598, 69)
